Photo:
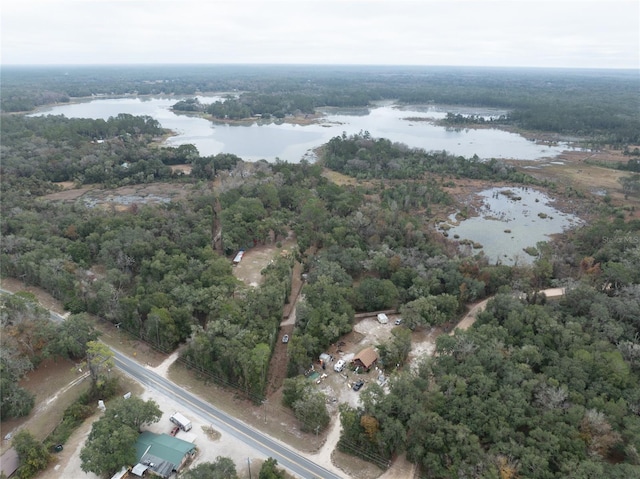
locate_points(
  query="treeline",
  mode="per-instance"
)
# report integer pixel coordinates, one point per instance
(601, 106)
(460, 119)
(235, 345)
(365, 157)
(114, 152)
(251, 105)
(59, 127)
(55, 148)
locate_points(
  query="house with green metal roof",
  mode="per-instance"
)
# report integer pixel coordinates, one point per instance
(161, 454)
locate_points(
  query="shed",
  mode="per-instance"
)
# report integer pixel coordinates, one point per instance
(139, 469)
(366, 358)
(325, 359)
(383, 318)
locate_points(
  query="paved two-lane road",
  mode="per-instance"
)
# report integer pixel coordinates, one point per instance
(263, 444)
(286, 457)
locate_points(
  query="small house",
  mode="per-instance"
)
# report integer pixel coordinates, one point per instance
(365, 358)
(383, 318)
(161, 454)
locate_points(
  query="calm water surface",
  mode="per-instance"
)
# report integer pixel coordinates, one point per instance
(269, 141)
(509, 223)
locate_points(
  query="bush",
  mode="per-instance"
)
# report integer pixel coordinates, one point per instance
(32, 454)
(79, 411)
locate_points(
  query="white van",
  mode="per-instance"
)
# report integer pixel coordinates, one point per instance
(339, 366)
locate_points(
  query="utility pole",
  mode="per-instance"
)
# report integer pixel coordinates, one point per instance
(249, 466)
(264, 402)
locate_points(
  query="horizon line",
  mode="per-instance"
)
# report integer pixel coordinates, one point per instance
(346, 65)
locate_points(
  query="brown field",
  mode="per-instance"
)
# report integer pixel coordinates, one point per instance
(583, 172)
(124, 197)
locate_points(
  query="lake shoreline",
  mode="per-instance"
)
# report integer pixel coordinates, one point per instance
(541, 138)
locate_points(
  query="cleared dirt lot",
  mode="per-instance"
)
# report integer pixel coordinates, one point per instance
(249, 271)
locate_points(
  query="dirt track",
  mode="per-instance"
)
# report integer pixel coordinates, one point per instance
(470, 318)
(249, 272)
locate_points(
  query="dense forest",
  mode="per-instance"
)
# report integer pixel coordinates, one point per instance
(536, 389)
(533, 390)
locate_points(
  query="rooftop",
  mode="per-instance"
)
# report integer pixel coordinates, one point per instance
(164, 451)
(367, 357)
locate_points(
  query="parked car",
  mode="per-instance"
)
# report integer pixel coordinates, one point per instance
(339, 366)
(398, 322)
(358, 384)
(285, 338)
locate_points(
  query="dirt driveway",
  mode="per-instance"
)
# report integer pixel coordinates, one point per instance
(470, 317)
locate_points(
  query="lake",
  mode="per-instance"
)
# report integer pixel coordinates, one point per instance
(412, 126)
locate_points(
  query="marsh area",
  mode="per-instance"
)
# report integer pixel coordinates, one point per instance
(507, 221)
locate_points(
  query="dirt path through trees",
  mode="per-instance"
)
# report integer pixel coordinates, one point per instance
(470, 317)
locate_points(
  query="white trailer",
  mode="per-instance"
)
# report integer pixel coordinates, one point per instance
(180, 421)
(238, 257)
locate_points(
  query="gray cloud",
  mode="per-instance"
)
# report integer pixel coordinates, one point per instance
(556, 33)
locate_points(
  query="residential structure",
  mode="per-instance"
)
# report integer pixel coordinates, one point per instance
(365, 358)
(161, 454)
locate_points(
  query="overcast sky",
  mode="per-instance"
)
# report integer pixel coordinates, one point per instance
(537, 33)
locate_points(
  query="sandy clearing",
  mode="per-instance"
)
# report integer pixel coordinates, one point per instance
(401, 469)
